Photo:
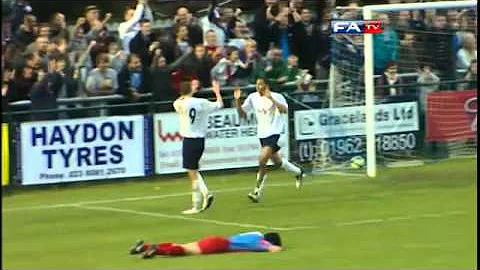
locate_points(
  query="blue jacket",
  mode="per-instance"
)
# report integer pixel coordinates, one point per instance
(385, 48)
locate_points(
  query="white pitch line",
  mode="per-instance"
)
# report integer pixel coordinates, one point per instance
(247, 225)
(155, 197)
(167, 216)
(359, 222)
(400, 218)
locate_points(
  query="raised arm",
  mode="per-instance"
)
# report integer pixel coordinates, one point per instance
(238, 103)
(216, 91)
(137, 15)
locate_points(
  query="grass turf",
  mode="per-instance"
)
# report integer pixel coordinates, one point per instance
(420, 217)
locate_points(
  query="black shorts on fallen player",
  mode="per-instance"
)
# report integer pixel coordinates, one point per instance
(192, 151)
(271, 141)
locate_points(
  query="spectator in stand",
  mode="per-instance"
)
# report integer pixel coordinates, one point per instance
(468, 52)
(102, 81)
(58, 26)
(181, 40)
(453, 19)
(214, 49)
(8, 87)
(219, 20)
(45, 92)
(386, 46)
(439, 49)
(418, 20)
(324, 51)
(13, 55)
(239, 34)
(161, 74)
(60, 44)
(195, 32)
(426, 76)
(82, 67)
(24, 80)
(276, 71)
(387, 83)
(410, 52)
(141, 44)
(293, 69)
(471, 77)
(306, 39)
(262, 24)
(467, 24)
(40, 46)
(92, 18)
(128, 29)
(44, 30)
(225, 71)
(117, 56)
(403, 23)
(281, 33)
(133, 79)
(78, 41)
(253, 60)
(27, 31)
(19, 10)
(198, 65)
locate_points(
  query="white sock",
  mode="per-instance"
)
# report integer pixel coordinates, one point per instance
(260, 184)
(201, 184)
(290, 167)
(197, 199)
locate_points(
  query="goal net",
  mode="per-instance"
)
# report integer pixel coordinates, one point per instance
(421, 76)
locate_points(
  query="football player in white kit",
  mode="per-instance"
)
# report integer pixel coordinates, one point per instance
(193, 126)
(268, 107)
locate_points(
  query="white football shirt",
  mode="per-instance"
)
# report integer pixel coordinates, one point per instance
(194, 115)
(270, 120)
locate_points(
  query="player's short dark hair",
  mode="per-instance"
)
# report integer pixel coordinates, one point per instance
(185, 88)
(273, 238)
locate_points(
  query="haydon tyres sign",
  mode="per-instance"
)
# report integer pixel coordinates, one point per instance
(83, 149)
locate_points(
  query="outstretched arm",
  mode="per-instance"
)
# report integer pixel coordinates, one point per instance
(237, 95)
(216, 91)
(125, 27)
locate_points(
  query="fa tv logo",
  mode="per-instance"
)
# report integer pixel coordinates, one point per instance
(357, 27)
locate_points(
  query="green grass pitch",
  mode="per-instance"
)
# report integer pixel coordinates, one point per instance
(418, 217)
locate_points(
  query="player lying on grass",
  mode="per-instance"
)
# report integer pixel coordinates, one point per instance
(193, 126)
(250, 241)
(269, 108)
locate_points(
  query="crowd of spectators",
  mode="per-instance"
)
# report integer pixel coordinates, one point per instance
(288, 41)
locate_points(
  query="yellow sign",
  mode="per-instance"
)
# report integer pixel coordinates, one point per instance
(5, 156)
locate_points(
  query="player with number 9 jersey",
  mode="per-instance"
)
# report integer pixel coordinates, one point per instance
(193, 114)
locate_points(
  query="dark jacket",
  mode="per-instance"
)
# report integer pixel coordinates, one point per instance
(23, 37)
(124, 82)
(140, 46)
(198, 68)
(44, 95)
(307, 45)
(439, 52)
(161, 82)
(261, 28)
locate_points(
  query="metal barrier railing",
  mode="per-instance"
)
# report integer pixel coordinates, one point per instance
(102, 102)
